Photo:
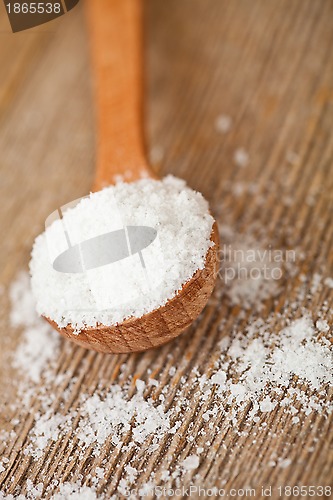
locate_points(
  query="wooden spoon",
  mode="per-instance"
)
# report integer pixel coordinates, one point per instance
(116, 41)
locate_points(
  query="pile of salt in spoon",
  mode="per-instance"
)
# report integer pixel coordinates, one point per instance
(112, 293)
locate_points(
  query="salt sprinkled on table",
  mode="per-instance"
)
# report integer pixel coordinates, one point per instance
(255, 369)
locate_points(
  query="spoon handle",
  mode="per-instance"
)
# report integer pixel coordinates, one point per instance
(116, 39)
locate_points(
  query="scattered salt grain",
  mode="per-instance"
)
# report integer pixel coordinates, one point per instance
(39, 342)
(328, 282)
(114, 415)
(267, 405)
(219, 379)
(264, 362)
(172, 371)
(191, 462)
(147, 489)
(131, 473)
(292, 157)
(223, 123)
(48, 427)
(315, 283)
(34, 491)
(241, 158)
(322, 325)
(284, 463)
(113, 292)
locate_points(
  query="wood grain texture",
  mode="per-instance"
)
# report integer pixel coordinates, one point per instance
(268, 65)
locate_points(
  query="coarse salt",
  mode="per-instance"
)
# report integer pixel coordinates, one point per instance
(328, 282)
(191, 462)
(223, 123)
(241, 157)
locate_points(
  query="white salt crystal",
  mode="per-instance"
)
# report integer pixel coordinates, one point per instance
(140, 385)
(99, 472)
(206, 416)
(322, 325)
(172, 371)
(292, 157)
(241, 158)
(284, 463)
(191, 462)
(113, 292)
(34, 491)
(147, 489)
(315, 283)
(223, 123)
(301, 355)
(48, 427)
(267, 405)
(113, 416)
(165, 475)
(328, 282)
(131, 473)
(219, 378)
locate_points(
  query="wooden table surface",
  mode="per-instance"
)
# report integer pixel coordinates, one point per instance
(267, 64)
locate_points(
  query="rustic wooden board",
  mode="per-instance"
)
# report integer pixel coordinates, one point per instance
(268, 65)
